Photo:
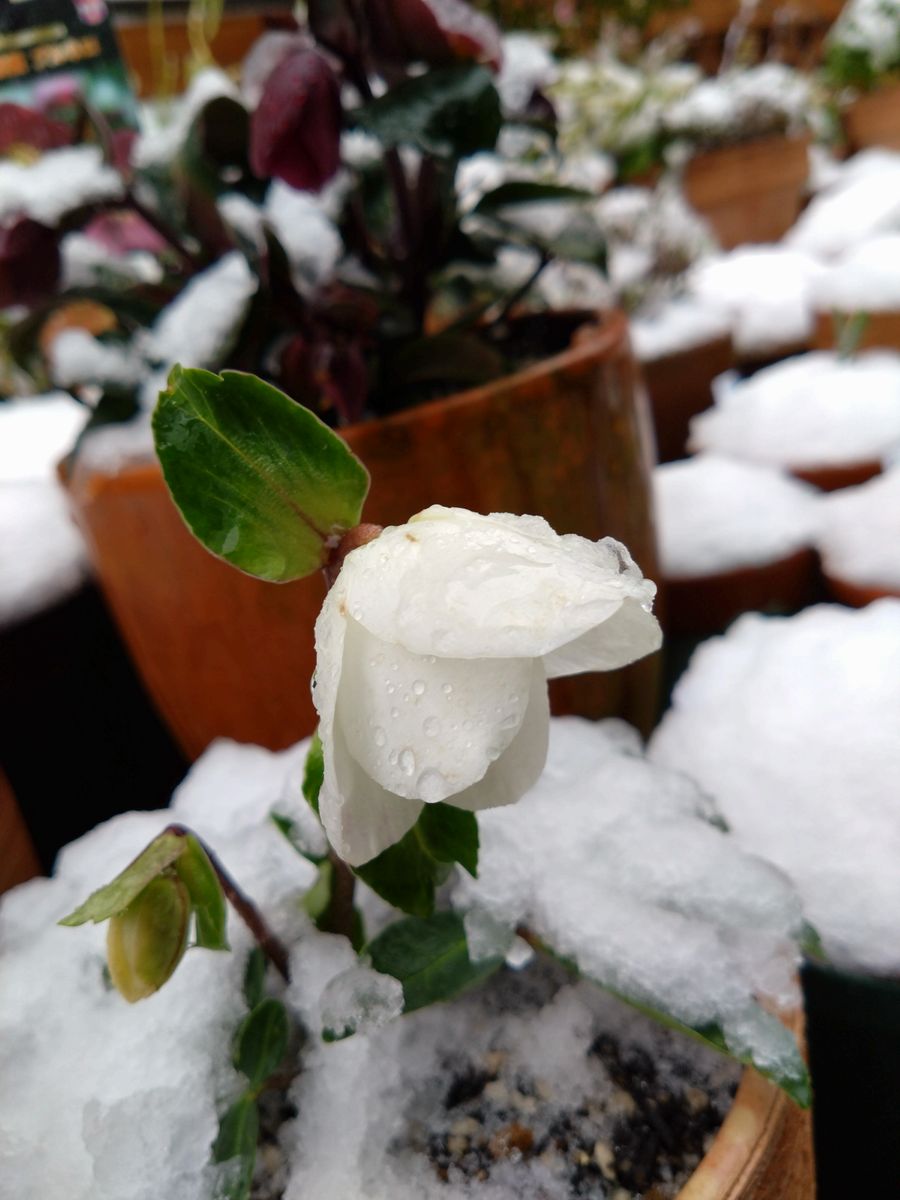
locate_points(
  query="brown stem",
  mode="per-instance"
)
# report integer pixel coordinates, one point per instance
(359, 535)
(271, 946)
(165, 231)
(340, 916)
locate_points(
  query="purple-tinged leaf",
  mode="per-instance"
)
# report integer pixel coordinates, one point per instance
(295, 133)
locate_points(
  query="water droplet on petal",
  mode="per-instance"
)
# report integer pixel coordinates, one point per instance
(419, 687)
(493, 753)
(390, 689)
(407, 762)
(509, 722)
(447, 689)
(395, 713)
(431, 786)
(379, 737)
(392, 758)
(431, 727)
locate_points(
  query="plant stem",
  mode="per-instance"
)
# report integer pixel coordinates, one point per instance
(165, 231)
(341, 914)
(513, 299)
(271, 946)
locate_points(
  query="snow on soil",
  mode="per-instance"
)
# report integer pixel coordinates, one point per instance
(859, 533)
(611, 857)
(717, 514)
(42, 557)
(864, 279)
(814, 410)
(791, 724)
(56, 183)
(863, 202)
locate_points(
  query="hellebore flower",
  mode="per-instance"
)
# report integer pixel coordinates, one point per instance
(295, 132)
(434, 648)
(30, 262)
(432, 31)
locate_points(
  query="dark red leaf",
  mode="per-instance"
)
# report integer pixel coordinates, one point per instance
(124, 232)
(29, 263)
(432, 31)
(295, 133)
(21, 126)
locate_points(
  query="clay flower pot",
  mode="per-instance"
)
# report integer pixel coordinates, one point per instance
(18, 858)
(679, 386)
(874, 119)
(841, 475)
(752, 192)
(881, 330)
(223, 654)
(708, 604)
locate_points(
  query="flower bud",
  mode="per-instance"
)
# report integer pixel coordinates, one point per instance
(295, 132)
(145, 943)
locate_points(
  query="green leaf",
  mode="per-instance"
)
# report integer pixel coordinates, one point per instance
(261, 1041)
(254, 977)
(526, 191)
(430, 957)
(116, 896)
(236, 1141)
(451, 112)
(407, 873)
(260, 481)
(451, 835)
(452, 357)
(811, 944)
(315, 902)
(314, 773)
(147, 941)
(207, 897)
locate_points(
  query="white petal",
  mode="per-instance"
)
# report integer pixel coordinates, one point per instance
(426, 727)
(519, 768)
(469, 586)
(360, 817)
(628, 635)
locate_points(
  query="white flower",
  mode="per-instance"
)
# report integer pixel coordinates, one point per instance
(434, 648)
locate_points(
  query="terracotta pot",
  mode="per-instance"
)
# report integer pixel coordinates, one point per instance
(874, 119)
(881, 330)
(763, 1151)
(752, 192)
(707, 604)
(680, 386)
(841, 475)
(226, 655)
(18, 858)
(857, 595)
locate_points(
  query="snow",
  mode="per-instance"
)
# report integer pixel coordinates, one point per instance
(527, 66)
(673, 908)
(865, 201)
(743, 103)
(864, 279)
(859, 533)
(42, 557)
(35, 433)
(309, 237)
(165, 125)
(87, 263)
(681, 324)
(77, 358)
(56, 183)
(768, 291)
(791, 724)
(810, 411)
(197, 328)
(717, 514)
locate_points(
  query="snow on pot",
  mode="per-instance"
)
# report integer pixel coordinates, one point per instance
(863, 201)
(860, 294)
(531, 442)
(682, 346)
(768, 291)
(790, 723)
(859, 540)
(828, 420)
(535, 1085)
(733, 536)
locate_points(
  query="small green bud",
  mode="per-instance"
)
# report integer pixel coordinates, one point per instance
(145, 943)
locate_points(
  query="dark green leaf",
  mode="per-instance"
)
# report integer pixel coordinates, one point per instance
(525, 191)
(207, 897)
(453, 357)
(316, 901)
(254, 977)
(405, 875)
(453, 112)
(116, 896)
(314, 773)
(291, 830)
(430, 957)
(811, 944)
(260, 481)
(261, 1041)
(451, 835)
(236, 1141)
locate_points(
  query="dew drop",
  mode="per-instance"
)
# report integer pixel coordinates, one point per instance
(395, 713)
(447, 689)
(431, 786)
(356, 613)
(419, 687)
(379, 737)
(392, 758)
(390, 689)
(493, 753)
(431, 727)
(509, 722)
(407, 762)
